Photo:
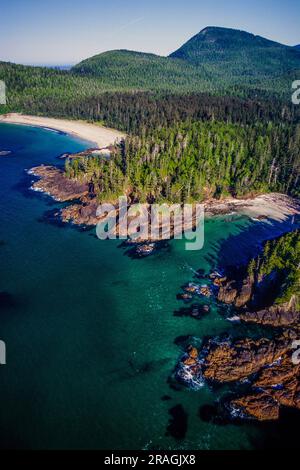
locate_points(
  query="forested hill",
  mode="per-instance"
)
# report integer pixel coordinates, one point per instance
(218, 61)
(238, 54)
(133, 90)
(130, 70)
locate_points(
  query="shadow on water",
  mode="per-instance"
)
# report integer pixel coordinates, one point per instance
(281, 434)
(248, 241)
(7, 301)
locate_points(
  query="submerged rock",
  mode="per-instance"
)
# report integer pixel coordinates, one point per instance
(185, 297)
(178, 422)
(195, 311)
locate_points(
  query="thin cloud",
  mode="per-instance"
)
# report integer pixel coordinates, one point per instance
(123, 27)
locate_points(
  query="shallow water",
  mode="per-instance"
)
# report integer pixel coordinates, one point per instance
(90, 332)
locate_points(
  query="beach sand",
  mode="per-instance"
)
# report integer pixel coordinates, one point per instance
(273, 206)
(98, 135)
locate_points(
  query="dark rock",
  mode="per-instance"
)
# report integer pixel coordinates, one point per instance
(166, 398)
(178, 422)
(277, 316)
(196, 311)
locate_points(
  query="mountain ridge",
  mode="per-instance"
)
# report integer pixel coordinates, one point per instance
(224, 47)
(230, 56)
(217, 60)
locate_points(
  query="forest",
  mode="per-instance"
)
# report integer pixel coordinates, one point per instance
(194, 161)
(43, 91)
(215, 118)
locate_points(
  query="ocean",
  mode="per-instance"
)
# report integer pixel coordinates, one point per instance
(90, 333)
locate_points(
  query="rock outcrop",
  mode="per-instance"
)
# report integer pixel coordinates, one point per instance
(260, 406)
(230, 362)
(53, 181)
(230, 292)
(277, 316)
(264, 366)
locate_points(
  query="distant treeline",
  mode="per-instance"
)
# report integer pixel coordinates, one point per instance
(38, 90)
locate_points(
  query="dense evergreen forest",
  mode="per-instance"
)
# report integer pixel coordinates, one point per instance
(214, 118)
(194, 161)
(217, 61)
(42, 91)
(233, 54)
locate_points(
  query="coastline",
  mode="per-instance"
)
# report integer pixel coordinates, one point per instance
(52, 181)
(98, 135)
(273, 206)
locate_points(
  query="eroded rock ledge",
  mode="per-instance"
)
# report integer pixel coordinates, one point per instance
(265, 366)
(53, 182)
(266, 371)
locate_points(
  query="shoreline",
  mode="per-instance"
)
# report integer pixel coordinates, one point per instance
(97, 135)
(268, 206)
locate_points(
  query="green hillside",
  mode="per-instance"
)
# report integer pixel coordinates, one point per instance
(238, 55)
(131, 70)
(217, 61)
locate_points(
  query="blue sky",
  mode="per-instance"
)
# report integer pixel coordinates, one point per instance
(66, 31)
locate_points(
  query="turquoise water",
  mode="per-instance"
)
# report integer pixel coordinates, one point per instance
(89, 331)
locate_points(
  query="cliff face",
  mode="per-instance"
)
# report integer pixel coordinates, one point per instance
(269, 288)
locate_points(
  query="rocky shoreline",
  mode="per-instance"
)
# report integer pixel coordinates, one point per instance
(53, 182)
(265, 368)
(264, 364)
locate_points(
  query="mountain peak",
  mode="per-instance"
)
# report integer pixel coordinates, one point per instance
(237, 52)
(220, 39)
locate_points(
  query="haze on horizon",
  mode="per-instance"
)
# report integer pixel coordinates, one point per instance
(66, 31)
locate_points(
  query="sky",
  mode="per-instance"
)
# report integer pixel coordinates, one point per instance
(67, 31)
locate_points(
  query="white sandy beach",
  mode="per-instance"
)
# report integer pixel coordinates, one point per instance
(98, 135)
